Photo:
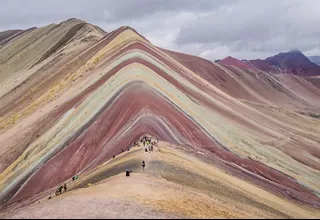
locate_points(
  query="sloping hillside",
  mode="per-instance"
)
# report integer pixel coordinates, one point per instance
(178, 182)
(82, 96)
(230, 61)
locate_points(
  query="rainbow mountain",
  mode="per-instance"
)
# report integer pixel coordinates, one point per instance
(73, 96)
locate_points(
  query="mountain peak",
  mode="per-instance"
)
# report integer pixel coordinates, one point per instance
(295, 51)
(231, 61)
(294, 62)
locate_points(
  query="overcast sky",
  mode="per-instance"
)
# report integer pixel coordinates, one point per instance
(212, 29)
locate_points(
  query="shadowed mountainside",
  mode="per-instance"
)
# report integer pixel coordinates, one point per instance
(292, 63)
(315, 59)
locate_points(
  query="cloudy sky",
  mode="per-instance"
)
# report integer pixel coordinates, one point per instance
(212, 29)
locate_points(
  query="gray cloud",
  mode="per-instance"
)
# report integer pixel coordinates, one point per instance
(23, 14)
(211, 29)
(257, 27)
(135, 9)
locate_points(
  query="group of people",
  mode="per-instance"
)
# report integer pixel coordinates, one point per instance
(63, 187)
(145, 140)
(59, 190)
(143, 164)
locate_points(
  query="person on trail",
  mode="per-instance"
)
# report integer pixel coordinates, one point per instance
(113, 156)
(59, 190)
(128, 172)
(143, 164)
(122, 150)
(73, 178)
(49, 197)
(65, 187)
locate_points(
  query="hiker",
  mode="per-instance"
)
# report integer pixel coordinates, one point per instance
(128, 172)
(59, 190)
(65, 187)
(49, 197)
(113, 156)
(73, 178)
(143, 165)
(122, 150)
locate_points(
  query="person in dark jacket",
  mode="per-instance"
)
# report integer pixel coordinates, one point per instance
(128, 172)
(143, 164)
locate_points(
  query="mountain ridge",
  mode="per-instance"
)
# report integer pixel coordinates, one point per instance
(89, 100)
(293, 62)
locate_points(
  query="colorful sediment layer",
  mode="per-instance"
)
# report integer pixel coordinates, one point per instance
(80, 95)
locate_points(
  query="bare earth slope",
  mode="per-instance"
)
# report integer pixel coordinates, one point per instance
(72, 96)
(255, 85)
(178, 183)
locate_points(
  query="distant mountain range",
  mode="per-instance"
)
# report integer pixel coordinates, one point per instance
(293, 62)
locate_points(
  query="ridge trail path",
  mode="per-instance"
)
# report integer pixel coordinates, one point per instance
(175, 184)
